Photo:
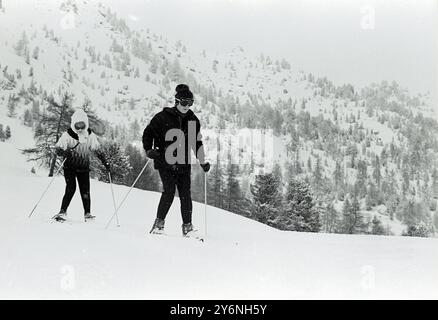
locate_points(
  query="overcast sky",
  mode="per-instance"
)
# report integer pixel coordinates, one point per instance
(352, 41)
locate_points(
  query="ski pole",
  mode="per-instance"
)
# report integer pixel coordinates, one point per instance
(118, 208)
(42, 196)
(205, 203)
(114, 199)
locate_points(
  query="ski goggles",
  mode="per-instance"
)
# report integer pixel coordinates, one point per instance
(185, 102)
(80, 125)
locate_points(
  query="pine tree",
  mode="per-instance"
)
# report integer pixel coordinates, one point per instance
(119, 162)
(352, 220)
(361, 178)
(434, 183)
(21, 46)
(51, 124)
(330, 219)
(317, 173)
(300, 212)
(276, 170)
(149, 180)
(2, 133)
(376, 172)
(338, 175)
(353, 152)
(12, 101)
(36, 52)
(266, 198)
(197, 184)
(377, 227)
(232, 188)
(27, 118)
(420, 229)
(8, 133)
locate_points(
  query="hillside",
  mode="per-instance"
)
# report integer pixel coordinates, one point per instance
(376, 144)
(240, 258)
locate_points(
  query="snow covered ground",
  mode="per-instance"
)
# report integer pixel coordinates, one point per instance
(240, 259)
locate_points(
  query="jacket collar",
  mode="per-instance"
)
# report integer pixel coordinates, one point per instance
(174, 111)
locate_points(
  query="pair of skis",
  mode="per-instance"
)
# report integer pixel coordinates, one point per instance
(188, 236)
(60, 219)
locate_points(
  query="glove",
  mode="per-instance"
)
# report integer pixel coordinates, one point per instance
(107, 166)
(152, 154)
(205, 166)
(64, 153)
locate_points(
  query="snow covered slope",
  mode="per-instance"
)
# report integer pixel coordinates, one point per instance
(240, 259)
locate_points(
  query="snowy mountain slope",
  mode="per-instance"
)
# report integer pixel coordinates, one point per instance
(83, 48)
(240, 259)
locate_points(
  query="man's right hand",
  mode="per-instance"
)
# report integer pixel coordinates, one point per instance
(153, 154)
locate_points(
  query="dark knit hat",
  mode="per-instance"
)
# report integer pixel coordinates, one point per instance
(183, 92)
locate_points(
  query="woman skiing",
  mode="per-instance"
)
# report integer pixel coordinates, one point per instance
(75, 145)
(168, 139)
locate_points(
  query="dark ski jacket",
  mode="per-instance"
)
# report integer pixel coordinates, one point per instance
(154, 136)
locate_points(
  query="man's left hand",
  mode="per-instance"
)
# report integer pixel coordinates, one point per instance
(205, 166)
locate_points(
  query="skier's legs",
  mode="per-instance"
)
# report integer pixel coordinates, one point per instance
(168, 180)
(84, 188)
(183, 184)
(70, 188)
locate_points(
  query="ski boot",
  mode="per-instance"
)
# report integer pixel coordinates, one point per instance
(88, 216)
(61, 216)
(158, 227)
(187, 230)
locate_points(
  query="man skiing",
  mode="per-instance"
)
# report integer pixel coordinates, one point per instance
(75, 145)
(168, 140)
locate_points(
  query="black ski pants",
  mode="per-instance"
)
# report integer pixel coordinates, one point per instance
(181, 180)
(70, 188)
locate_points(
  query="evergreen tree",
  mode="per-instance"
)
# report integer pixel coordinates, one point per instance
(27, 118)
(119, 163)
(361, 179)
(300, 212)
(376, 172)
(215, 184)
(418, 230)
(338, 175)
(435, 220)
(36, 52)
(377, 227)
(434, 183)
(266, 198)
(352, 220)
(353, 152)
(330, 219)
(51, 124)
(2, 133)
(232, 188)
(317, 173)
(149, 180)
(197, 184)
(8, 133)
(276, 170)
(12, 102)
